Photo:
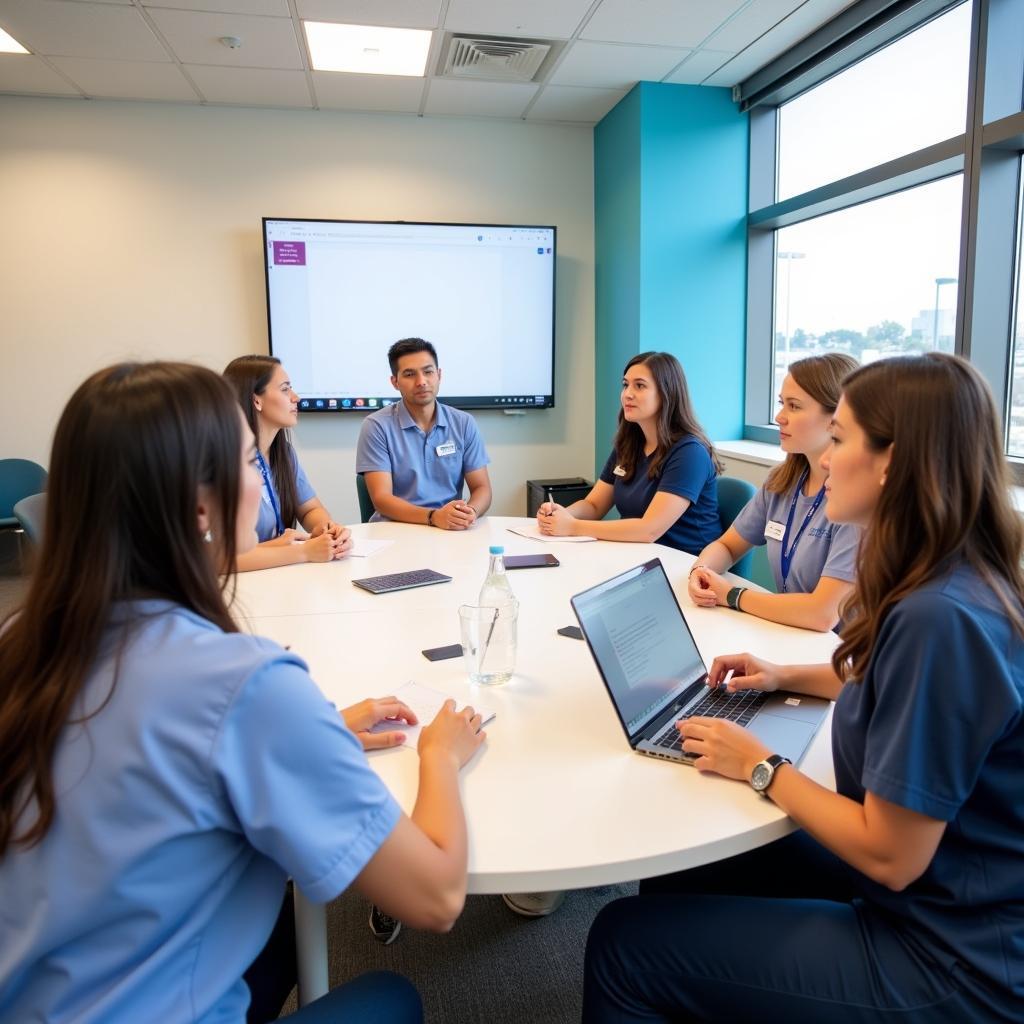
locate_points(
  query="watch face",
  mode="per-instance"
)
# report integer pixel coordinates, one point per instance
(760, 776)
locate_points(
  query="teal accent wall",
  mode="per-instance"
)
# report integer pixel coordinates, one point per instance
(670, 205)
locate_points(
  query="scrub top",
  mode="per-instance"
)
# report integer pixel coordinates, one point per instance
(215, 770)
(266, 524)
(427, 470)
(824, 548)
(937, 726)
(687, 471)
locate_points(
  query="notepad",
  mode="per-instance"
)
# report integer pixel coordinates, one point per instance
(426, 702)
(534, 533)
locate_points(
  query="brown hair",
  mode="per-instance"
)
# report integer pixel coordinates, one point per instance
(821, 377)
(132, 448)
(676, 417)
(946, 495)
(250, 375)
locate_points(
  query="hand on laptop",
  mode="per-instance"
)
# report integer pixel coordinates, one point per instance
(744, 672)
(723, 747)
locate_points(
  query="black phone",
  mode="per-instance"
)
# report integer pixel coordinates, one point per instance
(530, 561)
(441, 653)
(573, 632)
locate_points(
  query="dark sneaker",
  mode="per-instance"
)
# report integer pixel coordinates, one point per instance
(385, 929)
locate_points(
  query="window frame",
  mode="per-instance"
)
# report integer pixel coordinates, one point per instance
(988, 153)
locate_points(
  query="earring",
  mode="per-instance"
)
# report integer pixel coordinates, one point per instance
(208, 536)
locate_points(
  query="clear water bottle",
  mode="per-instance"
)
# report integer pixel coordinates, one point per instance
(496, 658)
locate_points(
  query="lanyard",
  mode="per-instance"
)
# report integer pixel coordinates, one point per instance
(273, 495)
(787, 560)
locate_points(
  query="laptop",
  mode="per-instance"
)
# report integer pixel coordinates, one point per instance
(655, 675)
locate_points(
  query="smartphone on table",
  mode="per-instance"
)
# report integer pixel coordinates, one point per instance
(543, 561)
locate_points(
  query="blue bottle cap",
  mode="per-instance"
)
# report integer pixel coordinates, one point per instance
(497, 549)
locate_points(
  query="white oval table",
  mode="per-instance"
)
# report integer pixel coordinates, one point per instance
(555, 799)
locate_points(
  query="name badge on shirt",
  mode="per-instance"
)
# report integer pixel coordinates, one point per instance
(774, 531)
(448, 448)
(618, 471)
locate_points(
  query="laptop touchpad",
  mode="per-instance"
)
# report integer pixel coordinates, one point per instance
(781, 734)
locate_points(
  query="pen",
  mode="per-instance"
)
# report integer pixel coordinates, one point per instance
(550, 501)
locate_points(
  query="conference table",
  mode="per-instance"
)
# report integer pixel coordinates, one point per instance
(555, 799)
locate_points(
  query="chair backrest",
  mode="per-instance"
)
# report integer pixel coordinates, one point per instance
(366, 508)
(18, 479)
(31, 513)
(733, 494)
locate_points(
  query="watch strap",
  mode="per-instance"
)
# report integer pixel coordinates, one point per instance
(732, 599)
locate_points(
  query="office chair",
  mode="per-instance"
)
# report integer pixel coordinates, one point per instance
(18, 479)
(733, 494)
(366, 508)
(31, 514)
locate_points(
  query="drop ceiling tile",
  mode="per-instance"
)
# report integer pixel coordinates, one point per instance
(23, 73)
(539, 18)
(394, 93)
(488, 99)
(812, 15)
(698, 66)
(685, 23)
(253, 87)
(126, 79)
(751, 23)
(609, 66)
(274, 8)
(195, 39)
(389, 13)
(572, 103)
(69, 29)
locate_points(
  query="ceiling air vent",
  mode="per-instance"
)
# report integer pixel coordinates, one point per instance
(509, 60)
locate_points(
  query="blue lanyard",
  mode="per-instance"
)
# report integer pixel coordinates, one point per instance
(787, 560)
(270, 490)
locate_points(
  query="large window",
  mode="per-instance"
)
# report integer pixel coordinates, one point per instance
(886, 209)
(909, 95)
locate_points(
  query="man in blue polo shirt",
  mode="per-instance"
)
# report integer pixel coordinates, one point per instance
(416, 454)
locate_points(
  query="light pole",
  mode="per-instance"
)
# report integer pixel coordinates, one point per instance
(939, 282)
(789, 257)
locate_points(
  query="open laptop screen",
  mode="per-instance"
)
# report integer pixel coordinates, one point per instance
(640, 641)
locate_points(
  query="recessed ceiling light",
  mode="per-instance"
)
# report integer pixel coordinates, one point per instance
(367, 49)
(8, 44)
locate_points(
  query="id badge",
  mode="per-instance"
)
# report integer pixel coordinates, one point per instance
(448, 448)
(618, 471)
(774, 531)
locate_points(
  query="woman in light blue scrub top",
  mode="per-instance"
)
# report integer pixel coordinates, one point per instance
(271, 408)
(812, 559)
(162, 773)
(902, 897)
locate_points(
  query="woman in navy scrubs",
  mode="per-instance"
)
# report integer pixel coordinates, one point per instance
(902, 898)
(661, 473)
(162, 774)
(271, 407)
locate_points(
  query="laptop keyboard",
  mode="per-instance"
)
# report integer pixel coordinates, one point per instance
(734, 707)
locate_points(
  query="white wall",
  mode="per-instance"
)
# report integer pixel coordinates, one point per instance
(132, 230)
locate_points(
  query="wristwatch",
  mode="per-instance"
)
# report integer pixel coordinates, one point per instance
(430, 517)
(732, 599)
(764, 772)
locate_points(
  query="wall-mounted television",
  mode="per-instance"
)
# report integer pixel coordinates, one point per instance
(341, 292)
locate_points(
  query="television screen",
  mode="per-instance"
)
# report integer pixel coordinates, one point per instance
(340, 293)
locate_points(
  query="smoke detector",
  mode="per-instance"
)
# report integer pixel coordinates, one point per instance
(495, 58)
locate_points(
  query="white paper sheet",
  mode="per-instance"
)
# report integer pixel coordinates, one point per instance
(364, 547)
(533, 533)
(426, 702)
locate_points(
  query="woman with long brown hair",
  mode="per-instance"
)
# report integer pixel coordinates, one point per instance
(811, 559)
(902, 898)
(161, 773)
(661, 473)
(271, 408)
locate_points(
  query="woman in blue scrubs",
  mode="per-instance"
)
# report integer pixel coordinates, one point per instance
(271, 407)
(661, 473)
(902, 898)
(161, 773)
(813, 560)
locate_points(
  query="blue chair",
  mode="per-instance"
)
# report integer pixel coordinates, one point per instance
(31, 514)
(733, 494)
(18, 479)
(366, 508)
